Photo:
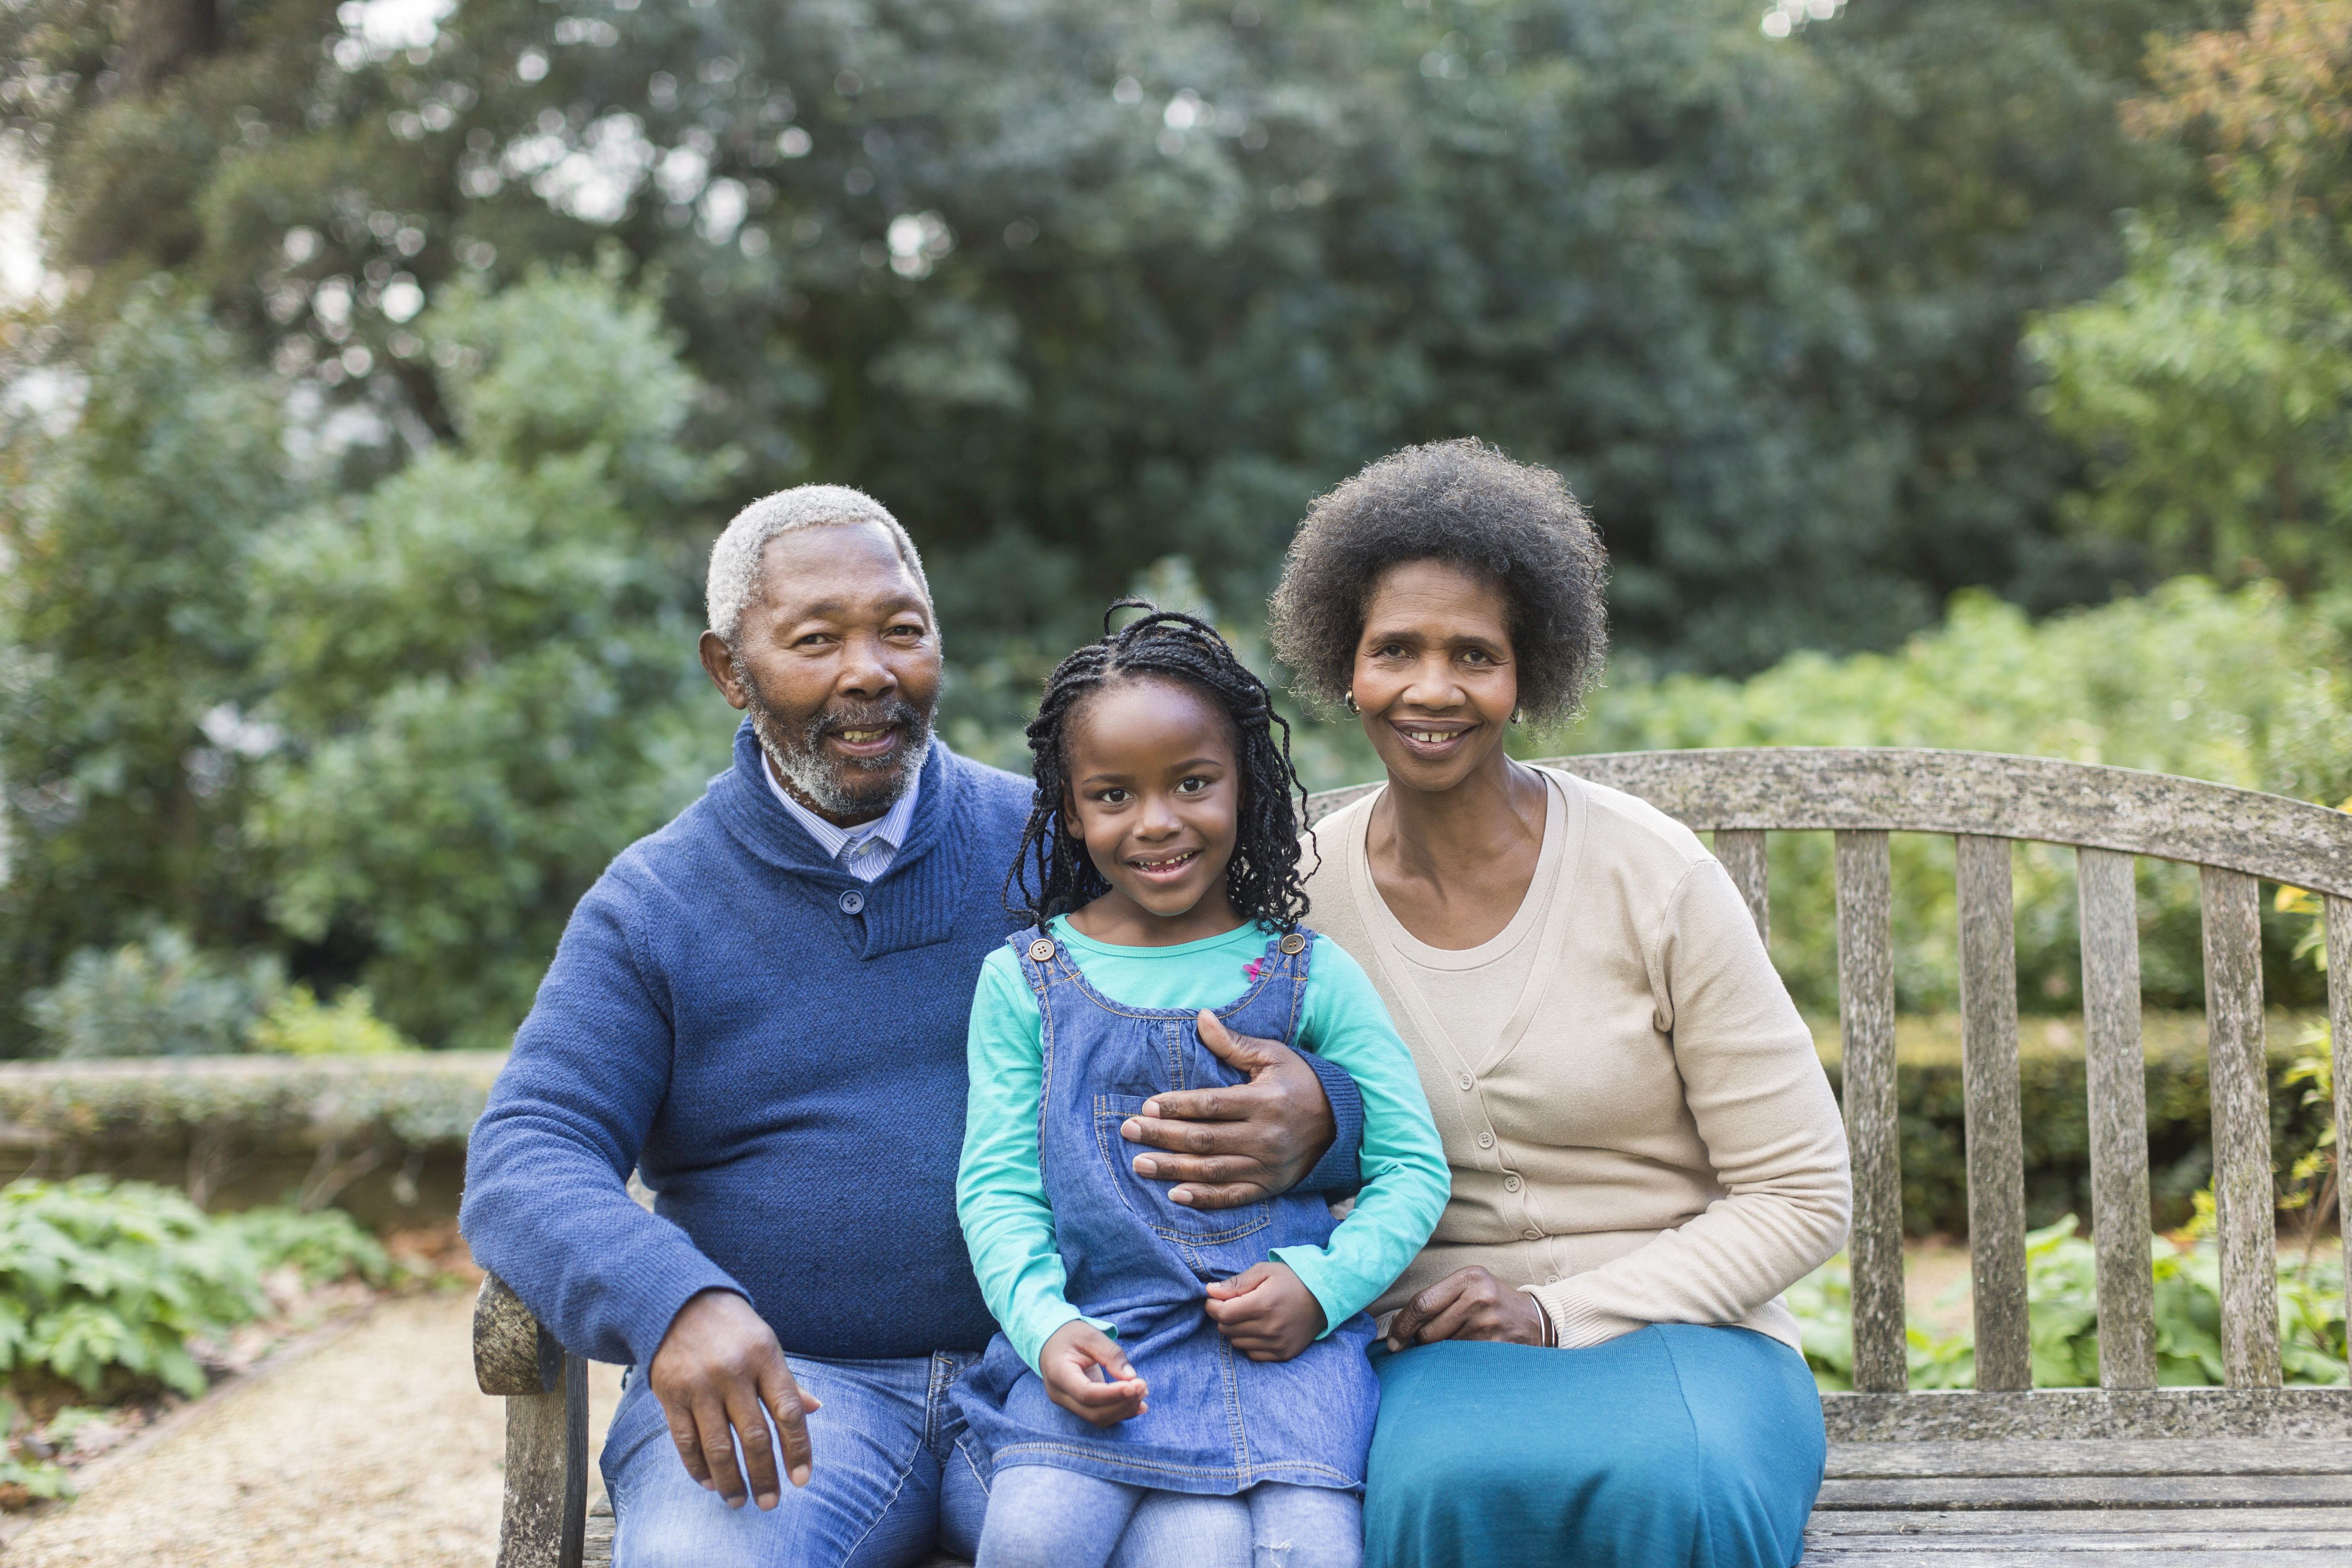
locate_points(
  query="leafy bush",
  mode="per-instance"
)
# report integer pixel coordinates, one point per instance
(156, 997)
(326, 1245)
(299, 1024)
(102, 1284)
(2243, 688)
(2061, 1270)
(98, 1278)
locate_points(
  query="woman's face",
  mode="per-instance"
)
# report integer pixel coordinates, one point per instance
(1434, 678)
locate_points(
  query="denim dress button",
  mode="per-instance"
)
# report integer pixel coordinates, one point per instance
(852, 901)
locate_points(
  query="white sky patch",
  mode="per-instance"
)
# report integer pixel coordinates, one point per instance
(23, 184)
(594, 181)
(388, 25)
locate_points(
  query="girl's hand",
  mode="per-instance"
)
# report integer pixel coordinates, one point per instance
(1266, 1311)
(1470, 1304)
(1069, 1364)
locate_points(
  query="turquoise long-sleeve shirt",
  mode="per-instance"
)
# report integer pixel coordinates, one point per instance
(1000, 1191)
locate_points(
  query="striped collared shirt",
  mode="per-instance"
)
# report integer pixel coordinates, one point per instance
(865, 851)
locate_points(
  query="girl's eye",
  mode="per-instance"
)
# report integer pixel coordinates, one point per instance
(1113, 797)
(1191, 786)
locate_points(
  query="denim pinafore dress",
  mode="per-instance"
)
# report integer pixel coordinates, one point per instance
(1218, 1423)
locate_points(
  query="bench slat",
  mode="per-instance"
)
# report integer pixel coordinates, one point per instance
(1990, 1116)
(2118, 1105)
(2092, 1456)
(1741, 851)
(1865, 901)
(2339, 1027)
(1956, 1494)
(2202, 1551)
(2248, 1525)
(2244, 1201)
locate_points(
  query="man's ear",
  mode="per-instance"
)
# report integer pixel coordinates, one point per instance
(719, 663)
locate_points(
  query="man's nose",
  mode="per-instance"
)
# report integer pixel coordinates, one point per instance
(864, 672)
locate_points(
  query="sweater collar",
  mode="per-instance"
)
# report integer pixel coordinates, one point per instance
(757, 820)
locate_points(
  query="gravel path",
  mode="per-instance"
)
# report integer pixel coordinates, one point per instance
(374, 1448)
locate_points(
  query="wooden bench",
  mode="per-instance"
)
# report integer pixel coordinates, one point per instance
(2005, 1475)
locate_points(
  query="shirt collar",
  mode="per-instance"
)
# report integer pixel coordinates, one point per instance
(832, 838)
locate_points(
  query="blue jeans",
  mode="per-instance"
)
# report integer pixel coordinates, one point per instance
(1041, 1517)
(894, 1478)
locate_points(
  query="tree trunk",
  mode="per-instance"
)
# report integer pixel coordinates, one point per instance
(163, 36)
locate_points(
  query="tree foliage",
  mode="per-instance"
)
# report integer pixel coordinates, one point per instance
(1075, 284)
(2211, 384)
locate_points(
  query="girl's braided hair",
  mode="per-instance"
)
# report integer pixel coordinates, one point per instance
(1263, 877)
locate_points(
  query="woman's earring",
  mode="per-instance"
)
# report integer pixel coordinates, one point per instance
(1349, 701)
(1518, 714)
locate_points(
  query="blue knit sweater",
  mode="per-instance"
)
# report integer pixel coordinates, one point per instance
(787, 1075)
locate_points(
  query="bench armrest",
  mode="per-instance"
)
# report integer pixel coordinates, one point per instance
(544, 1518)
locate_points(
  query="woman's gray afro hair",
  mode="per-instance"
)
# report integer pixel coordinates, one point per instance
(734, 581)
(1466, 503)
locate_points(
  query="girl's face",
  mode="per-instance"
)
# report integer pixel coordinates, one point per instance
(1156, 794)
(1434, 677)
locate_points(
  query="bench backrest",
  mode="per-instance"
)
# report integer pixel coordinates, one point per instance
(1987, 801)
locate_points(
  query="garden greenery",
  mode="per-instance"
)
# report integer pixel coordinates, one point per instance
(104, 1284)
(2061, 1272)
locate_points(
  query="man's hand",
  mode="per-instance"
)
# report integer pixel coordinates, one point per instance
(1469, 1304)
(1235, 1146)
(719, 1370)
(1087, 1374)
(1266, 1311)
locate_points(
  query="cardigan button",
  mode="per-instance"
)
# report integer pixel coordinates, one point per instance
(1532, 1233)
(1510, 1184)
(1485, 1140)
(852, 902)
(1468, 1083)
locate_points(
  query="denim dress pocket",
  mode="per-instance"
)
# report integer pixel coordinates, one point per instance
(1193, 1229)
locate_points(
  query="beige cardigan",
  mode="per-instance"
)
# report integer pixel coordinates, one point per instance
(1659, 1143)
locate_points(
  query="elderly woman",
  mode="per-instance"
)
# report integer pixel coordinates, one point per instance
(1590, 1362)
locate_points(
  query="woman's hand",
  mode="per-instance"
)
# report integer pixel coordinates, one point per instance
(1470, 1304)
(1266, 1311)
(1070, 1364)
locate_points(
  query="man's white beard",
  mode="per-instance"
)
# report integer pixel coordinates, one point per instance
(843, 786)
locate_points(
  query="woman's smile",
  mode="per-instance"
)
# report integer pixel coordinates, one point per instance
(1433, 736)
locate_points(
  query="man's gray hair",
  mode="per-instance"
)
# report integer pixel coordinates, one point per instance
(735, 579)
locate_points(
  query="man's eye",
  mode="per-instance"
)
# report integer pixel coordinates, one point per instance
(906, 631)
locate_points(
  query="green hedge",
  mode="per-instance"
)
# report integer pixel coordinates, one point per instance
(2053, 1096)
(344, 1116)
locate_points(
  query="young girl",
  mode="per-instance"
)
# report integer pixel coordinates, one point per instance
(1173, 1384)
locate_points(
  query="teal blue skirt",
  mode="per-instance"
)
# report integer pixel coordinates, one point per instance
(1674, 1446)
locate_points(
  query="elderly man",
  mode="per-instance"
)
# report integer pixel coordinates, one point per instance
(762, 1008)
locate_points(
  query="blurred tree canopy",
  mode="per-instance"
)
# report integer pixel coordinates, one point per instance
(1075, 284)
(354, 483)
(2212, 383)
